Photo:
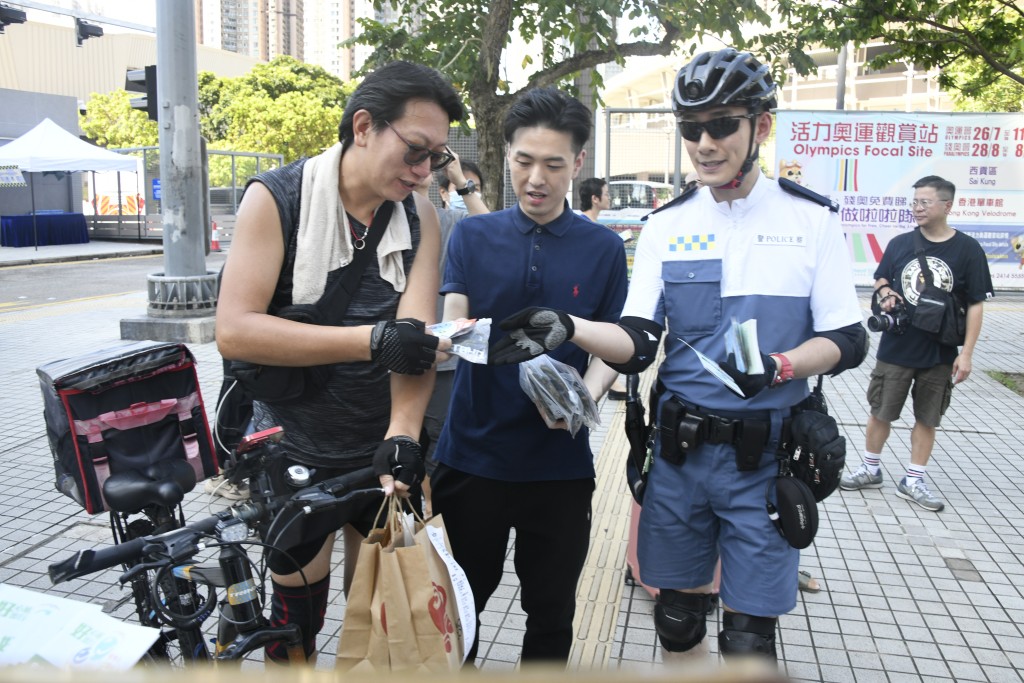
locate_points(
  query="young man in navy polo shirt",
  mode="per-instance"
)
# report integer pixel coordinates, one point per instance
(500, 466)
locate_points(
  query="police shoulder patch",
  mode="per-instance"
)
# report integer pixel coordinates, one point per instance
(685, 196)
(810, 195)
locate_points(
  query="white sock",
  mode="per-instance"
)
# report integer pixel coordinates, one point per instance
(915, 472)
(872, 462)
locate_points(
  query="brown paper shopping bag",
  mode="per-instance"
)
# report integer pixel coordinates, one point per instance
(419, 609)
(363, 644)
(452, 609)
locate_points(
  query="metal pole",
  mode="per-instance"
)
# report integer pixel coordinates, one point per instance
(35, 230)
(607, 145)
(181, 168)
(677, 181)
(841, 79)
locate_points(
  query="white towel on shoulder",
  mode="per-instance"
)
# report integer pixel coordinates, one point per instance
(324, 239)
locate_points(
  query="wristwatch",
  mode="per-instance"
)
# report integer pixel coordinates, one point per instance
(470, 188)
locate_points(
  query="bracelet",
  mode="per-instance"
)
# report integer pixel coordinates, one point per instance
(785, 373)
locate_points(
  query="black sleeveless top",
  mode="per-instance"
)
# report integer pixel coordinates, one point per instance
(344, 424)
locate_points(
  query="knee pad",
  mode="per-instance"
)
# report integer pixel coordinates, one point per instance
(300, 605)
(743, 634)
(680, 619)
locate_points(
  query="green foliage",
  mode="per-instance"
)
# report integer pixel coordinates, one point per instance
(111, 122)
(978, 88)
(283, 107)
(930, 33)
(466, 40)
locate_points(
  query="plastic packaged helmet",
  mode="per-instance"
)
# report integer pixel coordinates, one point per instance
(723, 78)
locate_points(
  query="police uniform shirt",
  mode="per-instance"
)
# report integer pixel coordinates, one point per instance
(773, 256)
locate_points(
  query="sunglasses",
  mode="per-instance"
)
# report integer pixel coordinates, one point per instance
(417, 154)
(719, 128)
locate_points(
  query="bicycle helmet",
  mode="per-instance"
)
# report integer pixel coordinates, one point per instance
(723, 78)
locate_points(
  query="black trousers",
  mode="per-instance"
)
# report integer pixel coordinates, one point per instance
(552, 523)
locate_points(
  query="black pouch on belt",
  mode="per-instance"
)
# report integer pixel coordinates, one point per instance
(668, 427)
(750, 441)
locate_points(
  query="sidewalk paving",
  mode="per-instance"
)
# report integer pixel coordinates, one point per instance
(907, 595)
(56, 253)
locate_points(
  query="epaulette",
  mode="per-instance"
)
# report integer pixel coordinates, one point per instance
(810, 195)
(692, 190)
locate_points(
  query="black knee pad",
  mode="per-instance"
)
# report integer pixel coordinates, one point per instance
(298, 605)
(743, 634)
(680, 619)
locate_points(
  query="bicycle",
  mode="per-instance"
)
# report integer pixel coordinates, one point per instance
(166, 583)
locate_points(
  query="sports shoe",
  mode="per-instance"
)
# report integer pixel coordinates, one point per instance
(861, 479)
(918, 492)
(225, 489)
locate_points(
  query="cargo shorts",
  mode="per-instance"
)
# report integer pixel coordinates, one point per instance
(931, 390)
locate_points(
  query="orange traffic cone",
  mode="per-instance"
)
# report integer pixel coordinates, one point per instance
(214, 238)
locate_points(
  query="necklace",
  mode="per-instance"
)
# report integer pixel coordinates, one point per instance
(358, 241)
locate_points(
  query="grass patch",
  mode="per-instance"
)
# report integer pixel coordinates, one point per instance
(1014, 381)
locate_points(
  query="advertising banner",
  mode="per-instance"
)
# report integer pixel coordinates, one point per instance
(869, 162)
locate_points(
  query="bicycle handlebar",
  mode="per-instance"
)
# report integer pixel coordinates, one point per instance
(179, 544)
(91, 560)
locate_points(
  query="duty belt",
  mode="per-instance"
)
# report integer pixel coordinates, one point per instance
(685, 428)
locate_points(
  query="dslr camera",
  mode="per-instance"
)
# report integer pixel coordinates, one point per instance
(895, 321)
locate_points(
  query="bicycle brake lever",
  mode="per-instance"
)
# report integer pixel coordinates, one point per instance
(136, 570)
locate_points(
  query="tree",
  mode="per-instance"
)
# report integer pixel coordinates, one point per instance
(295, 124)
(1004, 95)
(930, 33)
(110, 121)
(467, 39)
(283, 107)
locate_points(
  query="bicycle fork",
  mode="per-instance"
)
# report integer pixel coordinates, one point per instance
(241, 627)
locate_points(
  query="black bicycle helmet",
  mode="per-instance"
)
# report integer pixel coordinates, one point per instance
(723, 78)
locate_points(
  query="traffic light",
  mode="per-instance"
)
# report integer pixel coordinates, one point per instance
(9, 15)
(85, 30)
(143, 80)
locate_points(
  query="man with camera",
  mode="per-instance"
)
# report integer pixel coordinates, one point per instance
(909, 356)
(743, 246)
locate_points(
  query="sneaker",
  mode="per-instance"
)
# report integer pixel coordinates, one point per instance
(861, 479)
(217, 486)
(919, 493)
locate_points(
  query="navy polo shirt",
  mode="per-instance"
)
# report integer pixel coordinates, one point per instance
(504, 262)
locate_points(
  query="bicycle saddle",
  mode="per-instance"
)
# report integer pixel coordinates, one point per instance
(163, 483)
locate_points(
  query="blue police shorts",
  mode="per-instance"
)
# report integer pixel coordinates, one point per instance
(705, 508)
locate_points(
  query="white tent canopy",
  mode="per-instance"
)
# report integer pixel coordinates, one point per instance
(48, 147)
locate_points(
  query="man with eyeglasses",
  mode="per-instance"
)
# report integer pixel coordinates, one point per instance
(910, 361)
(740, 247)
(307, 224)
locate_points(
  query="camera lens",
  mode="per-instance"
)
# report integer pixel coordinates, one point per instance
(879, 323)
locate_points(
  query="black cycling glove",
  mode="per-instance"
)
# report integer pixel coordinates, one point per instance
(751, 385)
(402, 458)
(532, 331)
(403, 346)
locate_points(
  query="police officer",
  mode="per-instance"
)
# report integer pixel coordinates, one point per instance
(742, 246)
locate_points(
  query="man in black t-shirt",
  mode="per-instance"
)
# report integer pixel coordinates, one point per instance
(908, 356)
